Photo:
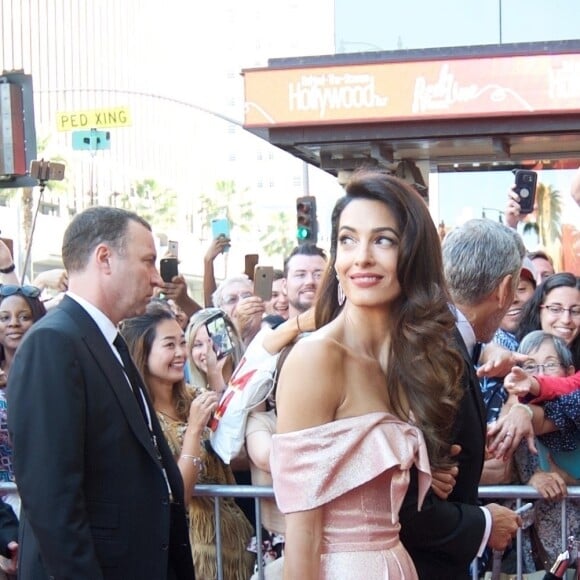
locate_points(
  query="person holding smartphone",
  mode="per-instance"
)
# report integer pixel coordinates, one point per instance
(209, 370)
(235, 296)
(159, 348)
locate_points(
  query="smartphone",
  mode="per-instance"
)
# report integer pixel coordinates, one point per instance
(263, 278)
(220, 227)
(250, 263)
(173, 248)
(526, 189)
(219, 333)
(168, 269)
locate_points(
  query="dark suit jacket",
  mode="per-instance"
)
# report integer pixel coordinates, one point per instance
(444, 536)
(8, 528)
(94, 496)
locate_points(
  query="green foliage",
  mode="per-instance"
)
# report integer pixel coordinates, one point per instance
(277, 240)
(158, 205)
(226, 201)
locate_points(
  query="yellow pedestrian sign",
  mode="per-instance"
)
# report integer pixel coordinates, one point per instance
(93, 119)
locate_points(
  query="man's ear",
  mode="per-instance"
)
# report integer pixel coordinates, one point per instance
(505, 291)
(103, 255)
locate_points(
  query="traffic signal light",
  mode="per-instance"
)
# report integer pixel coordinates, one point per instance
(306, 224)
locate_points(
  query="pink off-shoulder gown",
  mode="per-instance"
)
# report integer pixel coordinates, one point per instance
(357, 470)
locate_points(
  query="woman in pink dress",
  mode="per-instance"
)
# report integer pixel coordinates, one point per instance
(371, 393)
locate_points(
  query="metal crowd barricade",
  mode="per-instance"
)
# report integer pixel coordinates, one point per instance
(519, 493)
(491, 492)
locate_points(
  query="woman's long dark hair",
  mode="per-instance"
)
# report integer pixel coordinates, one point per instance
(139, 333)
(424, 367)
(530, 318)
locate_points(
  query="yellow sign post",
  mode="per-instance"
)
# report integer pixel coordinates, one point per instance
(93, 119)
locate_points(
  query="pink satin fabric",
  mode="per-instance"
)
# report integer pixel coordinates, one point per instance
(357, 469)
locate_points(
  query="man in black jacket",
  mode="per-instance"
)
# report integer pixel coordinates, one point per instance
(482, 261)
(102, 496)
(8, 539)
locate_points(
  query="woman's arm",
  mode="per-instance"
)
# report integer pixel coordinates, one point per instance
(288, 331)
(259, 445)
(216, 248)
(310, 391)
(8, 275)
(497, 361)
(190, 459)
(540, 423)
(303, 541)
(551, 387)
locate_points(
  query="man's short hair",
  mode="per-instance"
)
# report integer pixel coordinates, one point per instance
(540, 254)
(477, 256)
(304, 250)
(94, 226)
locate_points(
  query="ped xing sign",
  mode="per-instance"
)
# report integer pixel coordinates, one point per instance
(93, 119)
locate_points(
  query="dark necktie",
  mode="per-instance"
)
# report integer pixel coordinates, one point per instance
(133, 376)
(476, 352)
(131, 372)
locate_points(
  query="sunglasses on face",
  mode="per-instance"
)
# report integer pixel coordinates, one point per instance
(12, 289)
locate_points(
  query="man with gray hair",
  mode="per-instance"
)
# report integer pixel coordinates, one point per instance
(482, 261)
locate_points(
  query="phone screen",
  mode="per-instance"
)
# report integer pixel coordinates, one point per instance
(220, 227)
(220, 336)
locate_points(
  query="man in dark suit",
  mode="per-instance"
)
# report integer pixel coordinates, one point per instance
(8, 539)
(102, 497)
(482, 261)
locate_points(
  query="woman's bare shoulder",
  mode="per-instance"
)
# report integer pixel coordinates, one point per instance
(318, 347)
(310, 387)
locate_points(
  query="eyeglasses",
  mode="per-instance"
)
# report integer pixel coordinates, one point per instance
(550, 368)
(232, 299)
(11, 289)
(557, 309)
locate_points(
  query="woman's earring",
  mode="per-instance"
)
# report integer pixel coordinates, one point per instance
(340, 294)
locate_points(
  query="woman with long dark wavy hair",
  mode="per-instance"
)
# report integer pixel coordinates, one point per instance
(371, 393)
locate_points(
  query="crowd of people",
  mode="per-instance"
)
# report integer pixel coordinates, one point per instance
(408, 373)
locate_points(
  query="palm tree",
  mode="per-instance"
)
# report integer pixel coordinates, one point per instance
(549, 221)
(277, 241)
(547, 224)
(156, 204)
(227, 202)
